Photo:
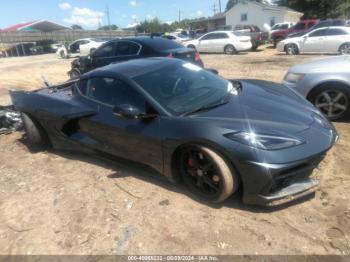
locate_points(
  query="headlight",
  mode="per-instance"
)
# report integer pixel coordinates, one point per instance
(293, 78)
(264, 141)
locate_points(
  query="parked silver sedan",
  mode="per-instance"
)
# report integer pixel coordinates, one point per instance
(325, 83)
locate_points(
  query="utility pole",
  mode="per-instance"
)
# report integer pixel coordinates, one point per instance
(179, 15)
(220, 6)
(214, 9)
(108, 18)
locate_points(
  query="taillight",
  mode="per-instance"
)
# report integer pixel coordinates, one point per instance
(197, 57)
(170, 55)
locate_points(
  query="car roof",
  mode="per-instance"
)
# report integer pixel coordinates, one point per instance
(332, 27)
(132, 68)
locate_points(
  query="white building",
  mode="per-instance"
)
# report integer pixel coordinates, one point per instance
(254, 13)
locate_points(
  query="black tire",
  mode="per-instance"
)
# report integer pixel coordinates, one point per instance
(292, 49)
(74, 74)
(344, 49)
(62, 55)
(254, 47)
(191, 46)
(35, 134)
(220, 177)
(332, 99)
(230, 50)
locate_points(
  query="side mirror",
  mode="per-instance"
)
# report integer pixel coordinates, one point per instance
(131, 112)
(214, 71)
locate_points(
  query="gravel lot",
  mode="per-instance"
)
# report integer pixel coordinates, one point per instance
(63, 203)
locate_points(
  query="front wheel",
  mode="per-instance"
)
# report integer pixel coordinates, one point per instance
(230, 50)
(292, 49)
(34, 132)
(207, 174)
(345, 49)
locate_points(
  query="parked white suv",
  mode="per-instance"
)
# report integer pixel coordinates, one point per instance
(227, 42)
(335, 39)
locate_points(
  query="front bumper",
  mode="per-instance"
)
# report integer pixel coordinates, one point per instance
(278, 184)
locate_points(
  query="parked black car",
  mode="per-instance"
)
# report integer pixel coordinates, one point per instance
(120, 50)
(216, 135)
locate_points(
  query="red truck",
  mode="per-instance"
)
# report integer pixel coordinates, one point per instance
(301, 26)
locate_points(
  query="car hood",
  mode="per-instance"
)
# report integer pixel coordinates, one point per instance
(263, 107)
(338, 64)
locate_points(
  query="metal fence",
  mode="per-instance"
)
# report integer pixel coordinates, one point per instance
(17, 39)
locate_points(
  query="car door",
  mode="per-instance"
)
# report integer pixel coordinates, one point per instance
(313, 42)
(220, 41)
(137, 140)
(334, 39)
(104, 55)
(205, 43)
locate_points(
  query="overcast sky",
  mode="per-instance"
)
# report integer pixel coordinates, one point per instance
(91, 13)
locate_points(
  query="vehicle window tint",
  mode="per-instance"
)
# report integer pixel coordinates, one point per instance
(311, 24)
(170, 37)
(159, 44)
(321, 32)
(81, 85)
(113, 92)
(104, 51)
(84, 42)
(221, 36)
(285, 26)
(208, 37)
(127, 48)
(336, 31)
(299, 26)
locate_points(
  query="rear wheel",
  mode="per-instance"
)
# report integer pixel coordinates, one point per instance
(292, 49)
(332, 100)
(345, 49)
(192, 47)
(207, 174)
(92, 50)
(62, 54)
(34, 132)
(74, 74)
(230, 50)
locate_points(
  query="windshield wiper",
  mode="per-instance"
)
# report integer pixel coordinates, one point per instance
(204, 108)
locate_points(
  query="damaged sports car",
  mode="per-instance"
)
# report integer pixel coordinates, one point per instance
(189, 124)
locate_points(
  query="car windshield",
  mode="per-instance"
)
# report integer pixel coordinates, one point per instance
(184, 87)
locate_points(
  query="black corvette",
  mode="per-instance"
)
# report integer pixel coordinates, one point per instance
(121, 50)
(189, 124)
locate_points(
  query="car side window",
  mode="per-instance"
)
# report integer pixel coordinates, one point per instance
(105, 51)
(112, 92)
(311, 24)
(125, 48)
(336, 31)
(221, 36)
(208, 37)
(299, 26)
(321, 32)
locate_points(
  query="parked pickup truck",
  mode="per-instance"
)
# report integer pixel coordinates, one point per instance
(257, 36)
(301, 26)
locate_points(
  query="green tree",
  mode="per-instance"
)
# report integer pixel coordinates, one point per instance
(77, 27)
(322, 9)
(107, 27)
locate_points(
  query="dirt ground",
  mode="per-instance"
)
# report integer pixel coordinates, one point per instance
(63, 203)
